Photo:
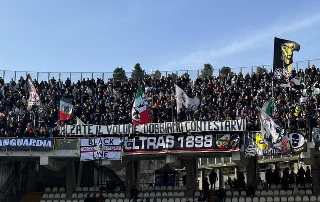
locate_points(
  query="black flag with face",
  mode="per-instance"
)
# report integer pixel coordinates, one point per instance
(283, 58)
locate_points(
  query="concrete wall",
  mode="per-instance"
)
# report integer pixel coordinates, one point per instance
(6, 168)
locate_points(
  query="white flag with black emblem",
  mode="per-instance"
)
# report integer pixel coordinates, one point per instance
(184, 102)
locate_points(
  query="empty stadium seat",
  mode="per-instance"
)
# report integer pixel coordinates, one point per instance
(47, 189)
(170, 188)
(313, 198)
(276, 199)
(144, 188)
(170, 200)
(62, 189)
(81, 200)
(151, 188)
(42, 200)
(257, 193)
(269, 199)
(163, 188)
(177, 200)
(146, 194)
(152, 194)
(228, 200)
(107, 200)
(113, 200)
(110, 195)
(122, 195)
(158, 200)
(164, 200)
(243, 193)
(45, 196)
(63, 195)
(290, 198)
(273, 186)
(62, 200)
(51, 195)
(55, 189)
(255, 199)
(283, 198)
(235, 193)
(276, 192)
(74, 195)
(307, 185)
(262, 199)
(289, 192)
(305, 198)
(80, 195)
(120, 200)
(248, 199)
(227, 187)
(283, 192)
(126, 200)
(116, 195)
(91, 189)
(309, 192)
(197, 193)
(228, 193)
(158, 194)
(157, 188)
(269, 192)
(74, 200)
(181, 193)
(235, 199)
(79, 189)
(49, 200)
(279, 186)
(300, 186)
(302, 192)
(259, 187)
(263, 193)
(85, 189)
(57, 195)
(318, 198)
(165, 194)
(69, 200)
(175, 194)
(242, 199)
(183, 200)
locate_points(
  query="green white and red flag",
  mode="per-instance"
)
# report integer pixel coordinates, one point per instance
(141, 112)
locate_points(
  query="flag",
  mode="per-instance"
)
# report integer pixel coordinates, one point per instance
(141, 112)
(283, 58)
(65, 109)
(2, 115)
(79, 122)
(34, 98)
(184, 102)
(272, 133)
(267, 106)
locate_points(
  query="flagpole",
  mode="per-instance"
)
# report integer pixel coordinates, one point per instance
(171, 109)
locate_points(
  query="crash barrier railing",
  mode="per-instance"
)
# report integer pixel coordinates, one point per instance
(7, 75)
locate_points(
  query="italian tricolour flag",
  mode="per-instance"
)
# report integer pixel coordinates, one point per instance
(65, 109)
(141, 113)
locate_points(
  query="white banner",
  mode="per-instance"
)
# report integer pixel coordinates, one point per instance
(154, 128)
(100, 148)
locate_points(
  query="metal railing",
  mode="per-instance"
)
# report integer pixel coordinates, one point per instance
(7, 75)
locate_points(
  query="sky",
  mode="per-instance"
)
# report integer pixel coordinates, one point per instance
(168, 35)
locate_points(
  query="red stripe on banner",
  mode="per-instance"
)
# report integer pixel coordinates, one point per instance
(181, 151)
(63, 117)
(103, 150)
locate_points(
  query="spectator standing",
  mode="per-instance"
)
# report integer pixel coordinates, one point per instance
(213, 178)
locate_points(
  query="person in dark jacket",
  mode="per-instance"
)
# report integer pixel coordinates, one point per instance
(213, 178)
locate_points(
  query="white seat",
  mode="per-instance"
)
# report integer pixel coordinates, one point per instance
(255, 199)
(175, 194)
(273, 186)
(228, 200)
(113, 200)
(257, 193)
(270, 193)
(298, 198)
(45, 196)
(197, 193)
(243, 193)
(263, 193)
(300, 186)
(152, 194)
(309, 192)
(105, 195)
(228, 187)
(91, 189)
(51, 195)
(183, 200)
(107, 200)
(228, 193)
(181, 194)
(79, 189)
(74, 195)
(55, 189)
(165, 194)
(262, 199)
(57, 195)
(171, 200)
(151, 188)
(42, 200)
(283, 198)
(116, 195)
(289, 192)
(163, 188)
(69, 200)
(48, 189)
(85, 189)
(80, 195)
(177, 200)
(241, 199)
(165, 200)
(110, 195)
(126, 200)
(248, 199)
(74, 200)
(157, 188)
(81, 200)
(120, 200)
(291, 198)
(234, 199)
(49, 200)
(146, 194)
(158, 199)
(62, 189)
(283, 193)
(158, 194)
(302, 192)
(313, 198)
(276, 192)
(170, 188)
(122, 195)
(269, 199)
(276, 199)
(259, 187)
(279, 186)
(97, 189)
(235, 193)
(62, 200)
(144, 189)
(305, 198)
(307, 185)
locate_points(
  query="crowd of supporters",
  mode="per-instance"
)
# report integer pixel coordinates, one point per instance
(224, 97)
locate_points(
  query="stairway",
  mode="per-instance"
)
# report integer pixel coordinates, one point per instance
(33, 197)
(111, 174)
(212, 195)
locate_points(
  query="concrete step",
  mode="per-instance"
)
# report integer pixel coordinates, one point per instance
(33, 197)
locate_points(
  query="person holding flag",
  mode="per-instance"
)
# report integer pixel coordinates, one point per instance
(65, 110)
(141, 112)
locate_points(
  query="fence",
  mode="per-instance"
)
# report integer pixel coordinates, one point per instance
(7, 75)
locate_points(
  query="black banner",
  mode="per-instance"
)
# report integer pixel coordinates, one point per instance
(283, 58)
(37, 144)
(181, 144)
